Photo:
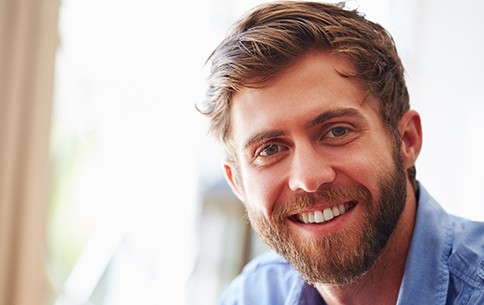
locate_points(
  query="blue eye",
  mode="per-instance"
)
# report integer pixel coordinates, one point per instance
(270, 150)
(337, 132)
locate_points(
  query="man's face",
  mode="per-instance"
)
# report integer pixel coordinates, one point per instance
(322, 181)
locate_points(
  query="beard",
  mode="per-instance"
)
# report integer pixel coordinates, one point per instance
(342, 257)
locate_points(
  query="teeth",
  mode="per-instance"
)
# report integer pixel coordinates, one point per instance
(336, 211)
(318, 217)
(325, 215)
(328, 214)
(341, 209)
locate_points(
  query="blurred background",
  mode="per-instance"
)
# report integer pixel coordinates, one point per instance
(111, 191)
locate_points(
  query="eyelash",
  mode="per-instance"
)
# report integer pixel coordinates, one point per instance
(339, 128)
(259, 152)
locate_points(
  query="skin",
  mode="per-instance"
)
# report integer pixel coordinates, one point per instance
(311, 128)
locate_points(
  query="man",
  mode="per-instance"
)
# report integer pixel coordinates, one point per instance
(311, 104)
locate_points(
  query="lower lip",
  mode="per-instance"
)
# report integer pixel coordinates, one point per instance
(326, 227)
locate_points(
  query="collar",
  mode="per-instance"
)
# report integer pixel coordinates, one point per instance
(426, 272)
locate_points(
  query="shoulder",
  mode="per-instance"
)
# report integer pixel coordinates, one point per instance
(268, 279)
(446, 256)
(468, 232)
(466, 260)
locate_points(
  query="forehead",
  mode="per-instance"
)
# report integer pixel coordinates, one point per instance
(317, 71)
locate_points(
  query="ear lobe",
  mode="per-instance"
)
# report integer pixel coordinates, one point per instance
(410, 129)
(232, 177)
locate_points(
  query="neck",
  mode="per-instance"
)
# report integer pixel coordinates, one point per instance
(382, 283)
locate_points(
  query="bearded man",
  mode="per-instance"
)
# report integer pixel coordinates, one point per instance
(310, 102)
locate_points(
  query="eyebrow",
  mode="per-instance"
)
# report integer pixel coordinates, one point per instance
(262, 136)
(331, 114)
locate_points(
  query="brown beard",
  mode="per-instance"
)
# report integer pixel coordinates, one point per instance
(343, 257)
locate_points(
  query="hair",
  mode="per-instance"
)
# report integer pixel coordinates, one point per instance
(273, 36)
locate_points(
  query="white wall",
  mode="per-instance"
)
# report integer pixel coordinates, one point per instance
(441, 43)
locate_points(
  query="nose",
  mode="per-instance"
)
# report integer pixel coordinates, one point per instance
(310, 170)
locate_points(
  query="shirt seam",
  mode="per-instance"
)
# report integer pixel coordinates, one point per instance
(465, 277)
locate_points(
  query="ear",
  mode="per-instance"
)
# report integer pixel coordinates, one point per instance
(232, 177)
(410, 129)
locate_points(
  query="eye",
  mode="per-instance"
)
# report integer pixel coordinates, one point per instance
(270, 150)
(269, 153)
(337, 132)
(339, 135)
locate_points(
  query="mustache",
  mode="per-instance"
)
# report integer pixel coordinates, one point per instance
(303, 201)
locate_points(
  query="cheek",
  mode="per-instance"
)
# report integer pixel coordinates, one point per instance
(364, 166)
(263, 189)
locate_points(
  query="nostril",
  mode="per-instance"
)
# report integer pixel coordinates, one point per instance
(311, 181)
(298, 182)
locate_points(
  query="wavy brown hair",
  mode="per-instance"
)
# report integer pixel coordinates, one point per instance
(273, 36)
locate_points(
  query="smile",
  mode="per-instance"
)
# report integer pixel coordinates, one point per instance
(326, 215)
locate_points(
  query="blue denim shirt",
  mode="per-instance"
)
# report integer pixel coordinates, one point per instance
(445, 265)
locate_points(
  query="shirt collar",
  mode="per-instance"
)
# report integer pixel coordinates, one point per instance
(426, 272)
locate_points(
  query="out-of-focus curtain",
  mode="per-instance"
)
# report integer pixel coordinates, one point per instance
(28, 41)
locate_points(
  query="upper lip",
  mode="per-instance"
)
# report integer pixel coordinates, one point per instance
(321, 207)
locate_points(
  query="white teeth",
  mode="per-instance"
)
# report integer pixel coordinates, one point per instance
(335, 211)
(325, 215)
(318, 217)
(328, 214)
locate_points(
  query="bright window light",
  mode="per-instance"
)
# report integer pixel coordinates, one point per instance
(129, 150)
